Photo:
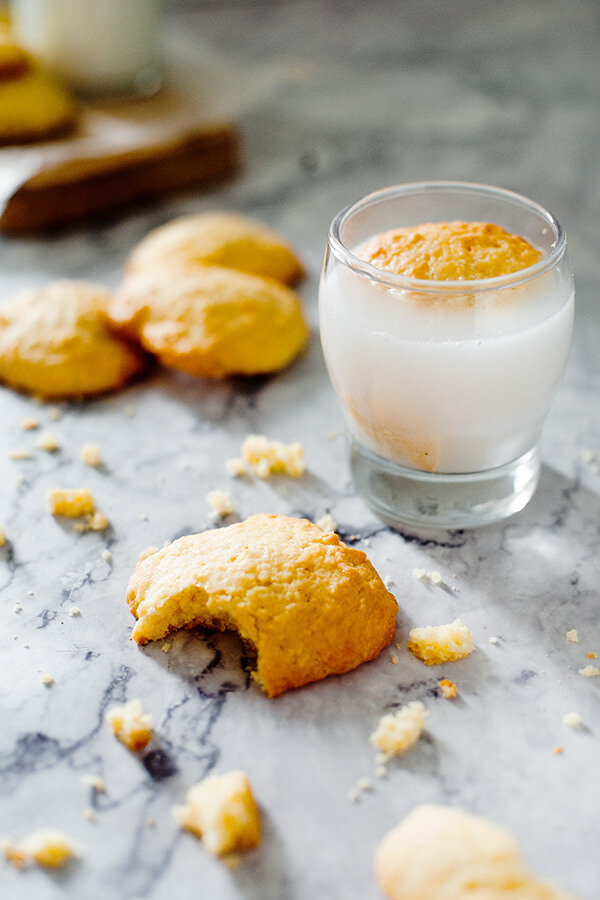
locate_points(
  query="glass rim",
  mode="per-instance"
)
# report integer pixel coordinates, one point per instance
(426, 285)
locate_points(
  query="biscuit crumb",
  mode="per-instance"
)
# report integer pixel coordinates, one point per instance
(353, 795)
(398, 731)
(221, 503)
(131, 725)
(54, 413)
(591, 655)
(381, 771)
(428, 577)
(29, 424)
(47, 679)
(394, 659)
(364, 784)
(589, 671)
(572, 719)
(434, 644)
(20, 453)
(572, 636)
(90, 455)
(74, 611)
(166, 647)
(264, 457)
(447, 688)
(96, 522)
(2, 536)
(235, 467)
(221, 810)
(494, 640)
(89, 814)
(47, 442)
(73, 502)
(326, 523)
(17, 608)
(96, 782)
(558, 750)
(48, 848)
(107, 556)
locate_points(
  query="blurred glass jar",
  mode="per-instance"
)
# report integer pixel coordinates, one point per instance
(102, 48)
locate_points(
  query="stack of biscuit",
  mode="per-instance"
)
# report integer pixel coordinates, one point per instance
(34, 105)
(207, 294)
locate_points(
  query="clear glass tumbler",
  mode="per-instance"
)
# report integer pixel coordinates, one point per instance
(102, 48)
(445, 385)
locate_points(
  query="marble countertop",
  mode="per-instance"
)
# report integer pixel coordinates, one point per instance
(333, 100)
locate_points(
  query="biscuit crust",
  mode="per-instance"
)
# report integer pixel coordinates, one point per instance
(308, 604)
(56, 341)
(450, 251)
(218, 239)
(210, 321)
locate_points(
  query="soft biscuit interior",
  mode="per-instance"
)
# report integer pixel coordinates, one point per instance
(307, 603)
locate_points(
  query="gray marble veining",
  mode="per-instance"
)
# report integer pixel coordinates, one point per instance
(345, 98)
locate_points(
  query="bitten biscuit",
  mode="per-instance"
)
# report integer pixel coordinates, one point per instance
(211, 322)
(221, 810)
(308, 604)
(449, 251)
(439, 853)
(218, 239)
(56, 341)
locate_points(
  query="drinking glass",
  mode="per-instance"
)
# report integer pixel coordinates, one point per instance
(445, 385)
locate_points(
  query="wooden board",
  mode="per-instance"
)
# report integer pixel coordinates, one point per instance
(121, 154)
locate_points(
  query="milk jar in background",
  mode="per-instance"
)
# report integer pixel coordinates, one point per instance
(102, 48)
(445, 379)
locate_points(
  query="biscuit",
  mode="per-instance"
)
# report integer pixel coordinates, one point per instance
(450, 251)
(14, 60)
(440, 853)
(211, 322)
(308, 604)
(218, 239)
(34, 107)
(222, 811)
(56, 341)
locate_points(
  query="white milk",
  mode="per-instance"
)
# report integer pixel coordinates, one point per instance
(98, 46)
(440, 386)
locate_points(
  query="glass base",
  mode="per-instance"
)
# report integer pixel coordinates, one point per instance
(404, 496)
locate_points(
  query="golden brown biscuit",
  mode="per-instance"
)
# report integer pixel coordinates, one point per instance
(448, 251)
(308, 604)
(210, 321)
(34, 107)
(56, 341)
(218, 239)
(439, 853)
